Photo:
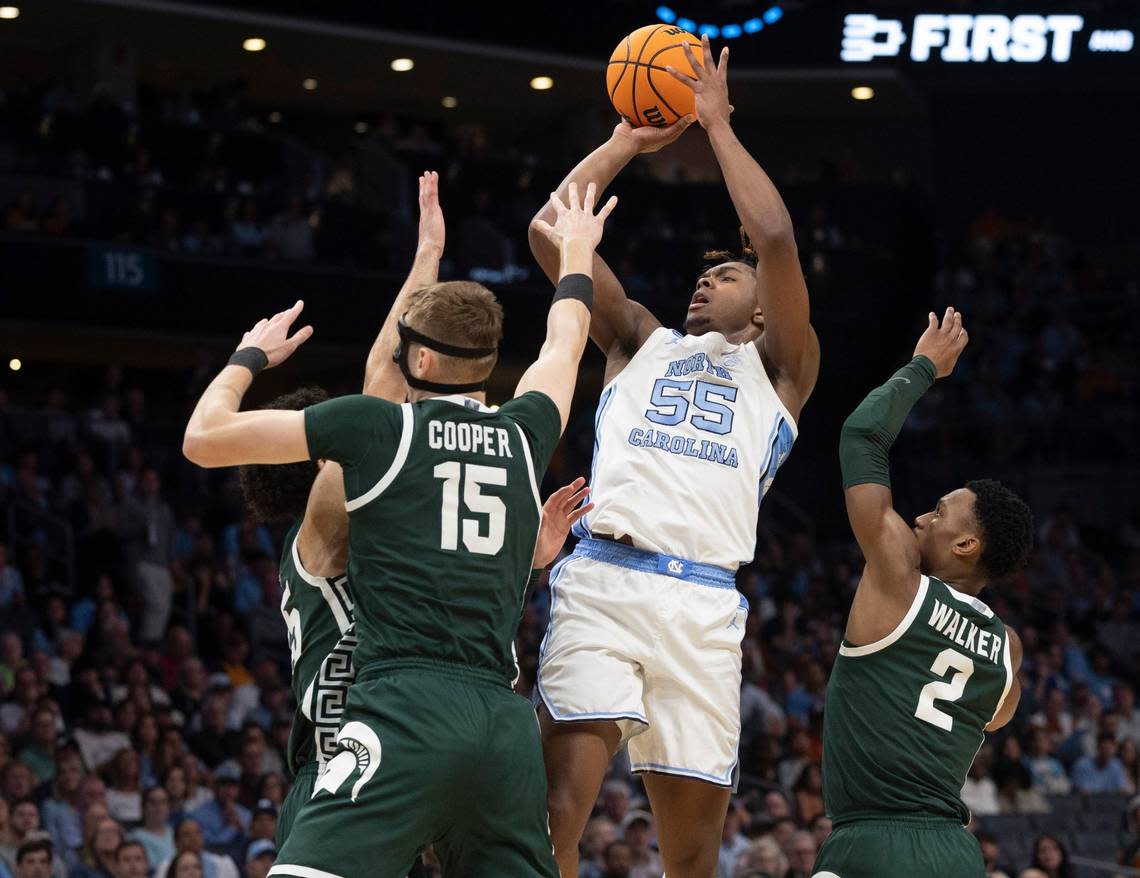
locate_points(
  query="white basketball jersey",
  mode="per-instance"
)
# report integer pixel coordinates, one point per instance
(688, 439)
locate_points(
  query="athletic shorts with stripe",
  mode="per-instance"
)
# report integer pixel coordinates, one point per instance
(653, 643)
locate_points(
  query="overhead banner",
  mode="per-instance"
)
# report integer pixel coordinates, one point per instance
(1024, 39)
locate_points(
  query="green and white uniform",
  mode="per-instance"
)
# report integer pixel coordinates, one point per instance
(435, 747)
(905, 717)
(318, 614)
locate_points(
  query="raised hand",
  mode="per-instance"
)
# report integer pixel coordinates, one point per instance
(432, 229)
(943, 344)
(710, 84)
(649, 139)
(562, 508)
(576, 222)
(271, 334)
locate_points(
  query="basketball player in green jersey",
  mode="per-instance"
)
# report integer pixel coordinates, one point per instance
(434, 747)
(316, 600)
(925, 668)
(318, 609)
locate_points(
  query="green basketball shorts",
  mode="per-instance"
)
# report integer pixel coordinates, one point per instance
(900, 847)
(427, 754)
(301, 792)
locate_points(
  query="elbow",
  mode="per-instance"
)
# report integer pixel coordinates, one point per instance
(780, 238)
(196, 448)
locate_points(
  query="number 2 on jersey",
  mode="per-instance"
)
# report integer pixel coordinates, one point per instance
(475, 500)
(940, 690)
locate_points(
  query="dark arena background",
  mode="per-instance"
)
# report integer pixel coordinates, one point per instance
(163, 186)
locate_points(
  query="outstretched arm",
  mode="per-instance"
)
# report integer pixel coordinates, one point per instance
(576, 231)
(889, 546)
(382, 376)
(1008, 707)
(788, 345)
(618, 326)
(218, 434)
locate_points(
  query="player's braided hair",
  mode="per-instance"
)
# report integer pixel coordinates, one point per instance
(747, 253)
(1006, 524)
(280, 492)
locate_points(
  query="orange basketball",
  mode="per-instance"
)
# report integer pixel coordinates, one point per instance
(640, 87)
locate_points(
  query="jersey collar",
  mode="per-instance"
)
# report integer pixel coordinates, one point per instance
(465, 401)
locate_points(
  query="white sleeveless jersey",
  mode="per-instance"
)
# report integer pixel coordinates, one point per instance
(688, 439)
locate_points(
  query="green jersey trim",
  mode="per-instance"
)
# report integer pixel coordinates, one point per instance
(530, 471)
(331, 589)
(1008, 662)
(394, 469)
(879, 645)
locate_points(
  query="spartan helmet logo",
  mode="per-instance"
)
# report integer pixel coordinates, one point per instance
(358, 748)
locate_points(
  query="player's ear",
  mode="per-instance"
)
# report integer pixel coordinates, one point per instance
(967, 547)
(422, 360)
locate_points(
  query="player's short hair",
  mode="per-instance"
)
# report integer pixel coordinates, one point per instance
(280, 492)
(747, 253)
(1006, 525)
(461, 313)
(34, 846)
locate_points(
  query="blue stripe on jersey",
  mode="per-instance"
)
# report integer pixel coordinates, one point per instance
(581, 528)
(780, 444)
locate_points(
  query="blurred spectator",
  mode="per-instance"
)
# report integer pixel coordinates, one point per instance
(155, 834)
(224, 822)
(39, 753)
(124, 790)
(188, 840)
(1047, 772)
(980, 792)
(618, 860)
(61, 812)
(763, 854)
(99, 849)
(131, 861)
(1050, 856)
(34, 859)
(800, 851)
(809, 793)
(291, 233)
(637, 833)
(732, 841)
(599, 833)
(11, 585)
(1103, 773)
(148, 530)
(259, 858)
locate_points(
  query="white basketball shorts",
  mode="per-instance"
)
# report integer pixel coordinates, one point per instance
(653, 643)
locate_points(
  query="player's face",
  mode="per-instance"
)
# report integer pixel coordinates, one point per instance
(724, 301)
(946, 526)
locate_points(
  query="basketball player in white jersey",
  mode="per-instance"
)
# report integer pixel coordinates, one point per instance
(644, 638)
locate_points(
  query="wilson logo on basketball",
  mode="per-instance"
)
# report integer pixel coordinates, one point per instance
(654, 117)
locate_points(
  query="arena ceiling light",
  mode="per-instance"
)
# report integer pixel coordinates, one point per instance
(450, 102)
(14, 364)
(275, 117)
(360, 127)
(862, 92)
(10, 12)
(402, 65)
(253, 44)
(309, 84)
(542, 83)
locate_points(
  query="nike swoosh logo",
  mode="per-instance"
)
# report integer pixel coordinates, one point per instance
(900, 378)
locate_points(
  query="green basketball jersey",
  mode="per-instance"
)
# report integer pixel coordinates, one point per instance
(318, 614)
(905, 716)
(443, 511)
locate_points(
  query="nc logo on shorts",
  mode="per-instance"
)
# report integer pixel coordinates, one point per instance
(671, 566)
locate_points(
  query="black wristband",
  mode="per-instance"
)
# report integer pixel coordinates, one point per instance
(535, 577)
(253, 358)
(576, 286)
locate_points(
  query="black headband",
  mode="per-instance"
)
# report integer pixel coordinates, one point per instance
(400, 355)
